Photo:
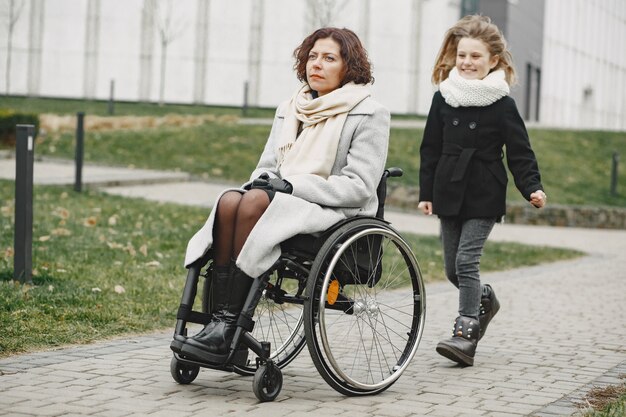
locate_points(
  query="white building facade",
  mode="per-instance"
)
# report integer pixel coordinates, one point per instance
(215, 51)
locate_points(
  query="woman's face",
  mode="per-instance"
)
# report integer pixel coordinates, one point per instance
(325, 67)
(473, 60)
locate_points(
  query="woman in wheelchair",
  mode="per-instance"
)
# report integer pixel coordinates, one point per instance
(322, 163)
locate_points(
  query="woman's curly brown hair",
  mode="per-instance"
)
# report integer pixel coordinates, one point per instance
(358, 68)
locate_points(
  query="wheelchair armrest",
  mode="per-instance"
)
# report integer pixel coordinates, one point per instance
(393, 172)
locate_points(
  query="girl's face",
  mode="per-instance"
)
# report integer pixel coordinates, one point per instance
(325, 67)
(473, 60)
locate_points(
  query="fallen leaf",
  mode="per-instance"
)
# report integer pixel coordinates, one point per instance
(90, 221)
(113, 220)
(131, 249)
(61, 212)
(153, 263)
(44, 238)
(61, 232)
(119, 289)
(96, 289)
(113, 245)
(144, 249)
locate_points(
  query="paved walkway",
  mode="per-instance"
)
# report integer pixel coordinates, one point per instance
(560, 331)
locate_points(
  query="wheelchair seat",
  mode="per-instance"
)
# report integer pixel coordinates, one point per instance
(305, 245)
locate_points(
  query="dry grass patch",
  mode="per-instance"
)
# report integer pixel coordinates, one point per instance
(54, 123)
(606, 401)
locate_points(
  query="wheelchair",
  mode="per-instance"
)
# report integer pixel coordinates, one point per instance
(354, 295)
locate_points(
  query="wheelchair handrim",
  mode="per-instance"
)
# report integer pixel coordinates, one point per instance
(322, 302)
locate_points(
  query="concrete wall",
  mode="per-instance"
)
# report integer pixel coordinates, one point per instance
(75, 48)
(584, 64)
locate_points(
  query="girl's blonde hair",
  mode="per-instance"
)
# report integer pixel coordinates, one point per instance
(475, 27)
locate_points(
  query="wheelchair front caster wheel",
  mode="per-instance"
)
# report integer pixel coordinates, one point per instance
(183, 373)
(267, 383)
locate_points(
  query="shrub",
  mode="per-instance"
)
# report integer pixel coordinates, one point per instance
(9, 119)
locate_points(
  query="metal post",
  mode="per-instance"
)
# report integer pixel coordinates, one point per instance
(80, 134)
(244, 109)
(23, 242)
(614, 167)
(111, 98)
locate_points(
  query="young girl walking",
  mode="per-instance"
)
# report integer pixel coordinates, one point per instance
(462, 175)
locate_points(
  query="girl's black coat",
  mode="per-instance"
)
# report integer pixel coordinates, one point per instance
(462, 171)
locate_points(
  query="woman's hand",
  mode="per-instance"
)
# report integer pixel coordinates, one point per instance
(538, 199)
(426, 207)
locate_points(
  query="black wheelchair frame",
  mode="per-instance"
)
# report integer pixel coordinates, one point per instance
(353, 294)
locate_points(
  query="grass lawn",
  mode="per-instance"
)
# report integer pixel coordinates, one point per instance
(106, 265)
(575, 166)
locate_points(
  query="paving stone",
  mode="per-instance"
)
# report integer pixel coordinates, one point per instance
(539, 369)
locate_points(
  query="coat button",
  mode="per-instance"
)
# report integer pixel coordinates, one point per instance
(472, 125)
(455, 122)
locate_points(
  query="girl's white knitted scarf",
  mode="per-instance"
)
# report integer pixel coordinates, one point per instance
(322, 120)
(459, 92)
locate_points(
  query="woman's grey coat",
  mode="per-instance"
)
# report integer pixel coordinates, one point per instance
(316, 203)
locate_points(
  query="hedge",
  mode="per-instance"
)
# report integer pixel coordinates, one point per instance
(9, 119)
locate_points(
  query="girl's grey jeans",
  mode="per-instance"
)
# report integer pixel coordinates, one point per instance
(463, 241)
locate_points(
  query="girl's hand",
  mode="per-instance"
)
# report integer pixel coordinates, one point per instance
(538, 199)
(426, 207)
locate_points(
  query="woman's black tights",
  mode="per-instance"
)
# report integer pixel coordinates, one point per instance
(236, 215)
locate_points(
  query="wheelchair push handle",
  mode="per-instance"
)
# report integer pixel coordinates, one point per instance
(393, 172)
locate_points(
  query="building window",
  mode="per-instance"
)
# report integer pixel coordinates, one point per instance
(533, 92)
(469, 7)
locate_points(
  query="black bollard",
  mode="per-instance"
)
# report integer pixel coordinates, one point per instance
(78, 157)
(244, 109)
(111, 98)
(23, 240)
(614, 167)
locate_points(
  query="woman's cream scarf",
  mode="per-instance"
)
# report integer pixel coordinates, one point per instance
(322, 119)
(459, 92)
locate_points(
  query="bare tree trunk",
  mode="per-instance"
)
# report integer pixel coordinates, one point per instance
(163, 63)
(14, 14)
(9, 47)
(169, 29)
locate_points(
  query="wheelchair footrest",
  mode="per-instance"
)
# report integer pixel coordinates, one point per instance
(202, 355)
(239, 357)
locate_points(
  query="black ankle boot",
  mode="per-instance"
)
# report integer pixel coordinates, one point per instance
(215, 339)
(220, 291)
(489, 306)
(461, 347)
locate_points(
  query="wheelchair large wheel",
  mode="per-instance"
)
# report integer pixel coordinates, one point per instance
(366, 308)
(277, 322)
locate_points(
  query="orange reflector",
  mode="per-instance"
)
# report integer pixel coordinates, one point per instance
(333, 292)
